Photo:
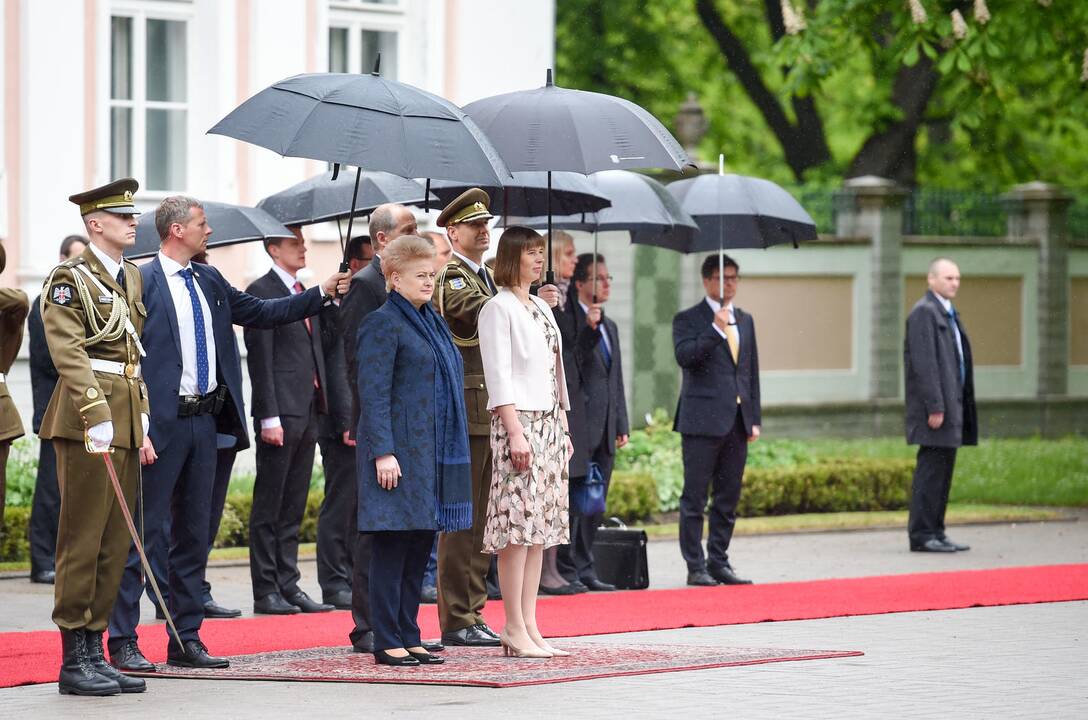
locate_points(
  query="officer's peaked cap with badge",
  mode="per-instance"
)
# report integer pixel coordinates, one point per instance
(469, 206)
(115, 197)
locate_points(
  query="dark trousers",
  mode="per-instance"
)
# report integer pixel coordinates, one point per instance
(430, 575)
(929, 495)
(224, 464)
(462, 566)
(337, 520)
(577, 562)
(715, 464)
(279, 502)
(396, 579)
(177, 499)
(360, 586)
(44, 511)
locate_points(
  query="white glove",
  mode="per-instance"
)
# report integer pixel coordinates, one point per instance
(100, 436)
(145, 422)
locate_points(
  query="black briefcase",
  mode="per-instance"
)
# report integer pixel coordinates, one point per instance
(619, 556)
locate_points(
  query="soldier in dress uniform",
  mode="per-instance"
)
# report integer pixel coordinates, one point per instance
(14, 307)
(93, 316)
(461, 289)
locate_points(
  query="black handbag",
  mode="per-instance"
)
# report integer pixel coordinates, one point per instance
(619, 556)
(587, 496)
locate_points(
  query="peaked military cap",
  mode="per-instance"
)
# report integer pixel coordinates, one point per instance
(468, 206)
(115, 197)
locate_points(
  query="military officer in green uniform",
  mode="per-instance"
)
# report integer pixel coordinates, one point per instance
(93, 315)
(14, 307)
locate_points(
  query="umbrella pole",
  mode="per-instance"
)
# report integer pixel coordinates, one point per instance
(549, 278)
(594, 266)
(721, 245)
(351, 219)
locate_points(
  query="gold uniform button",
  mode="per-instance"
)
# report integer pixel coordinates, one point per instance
(130, 370)
(91, 393)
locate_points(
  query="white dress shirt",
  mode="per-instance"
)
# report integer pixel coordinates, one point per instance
(601, 327)
(947, 305)
(183, 309)
(111, 265)
(476, 269)
(715, 306)
(289, 280)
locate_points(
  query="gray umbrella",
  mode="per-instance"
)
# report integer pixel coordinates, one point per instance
(321, 198)
(554, 128)
(640, 205)
(231, 224)
(528, 194)
(736, 211)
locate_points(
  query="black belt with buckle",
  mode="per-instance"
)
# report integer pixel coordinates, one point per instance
(208, 404)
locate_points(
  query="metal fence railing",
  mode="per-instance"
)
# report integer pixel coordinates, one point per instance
(1078, 219)
(930, 211)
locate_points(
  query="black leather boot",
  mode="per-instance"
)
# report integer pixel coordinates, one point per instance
(98, 660)
(77, 673)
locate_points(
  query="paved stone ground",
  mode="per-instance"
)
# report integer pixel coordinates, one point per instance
(1018, 661)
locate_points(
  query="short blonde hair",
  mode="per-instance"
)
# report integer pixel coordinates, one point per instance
(404, 250)
(561, 240)
(514, 241)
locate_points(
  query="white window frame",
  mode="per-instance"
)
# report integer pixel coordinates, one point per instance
(140, 13)
(358, 16)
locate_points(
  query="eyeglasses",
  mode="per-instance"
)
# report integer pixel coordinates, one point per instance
(604, 278)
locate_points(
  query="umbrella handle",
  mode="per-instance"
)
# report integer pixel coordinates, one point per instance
(549, 277)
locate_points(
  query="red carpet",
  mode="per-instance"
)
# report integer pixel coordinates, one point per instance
(488, 667)
(34, 657)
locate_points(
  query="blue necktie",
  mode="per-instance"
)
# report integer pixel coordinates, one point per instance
(604, 350)
(198, 330)
(959, 350)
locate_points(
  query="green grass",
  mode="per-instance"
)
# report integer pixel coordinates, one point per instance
(1002, 471)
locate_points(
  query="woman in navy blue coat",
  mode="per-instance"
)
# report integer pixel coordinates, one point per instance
(412, 452)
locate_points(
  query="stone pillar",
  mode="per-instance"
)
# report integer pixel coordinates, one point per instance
(872, 207)
(1039, 210)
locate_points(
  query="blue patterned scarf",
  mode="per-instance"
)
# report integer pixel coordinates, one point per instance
(453, 464)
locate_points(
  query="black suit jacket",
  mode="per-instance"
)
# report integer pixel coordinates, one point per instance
(365, 295)
(228, 306)
(931, 368)
(43, 375)
(337, 392)
(283, 361)
(711, 380)
(566, 319)
(601, 384)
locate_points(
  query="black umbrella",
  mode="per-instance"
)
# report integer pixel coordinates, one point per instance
(640, 205)
(528, 194)
(231, 224)
(366, 121)
(736, 211)
(554, 128)
(321, 199)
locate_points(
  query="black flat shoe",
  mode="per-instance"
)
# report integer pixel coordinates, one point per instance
(215, 611)
(274, 604)
(701, 578)
(432, 646)
(959, 547)
(727, 576)
(567, 589)
(579, 587)
(381, 657)
(340, 600)
(932, 545)
(595, 585)
(426, 658)
(307, 604)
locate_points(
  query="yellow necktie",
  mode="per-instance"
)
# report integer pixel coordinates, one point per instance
(733, 339)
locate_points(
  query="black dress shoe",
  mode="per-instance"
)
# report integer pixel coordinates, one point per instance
(701, 578)
(274, 604)
(78, 675)
(426, 658)
(98, 660)
(128, 658)
(595, 585)
(341, 600)
(932, 545)
(579, 587)
(432, 646)
(193, 654)
(365, 644)
(727, 576)
(43, 577)
(485, 628)
(216, 611)
(429, 595)
(567, 589)
(959, 547)
(307, 604)
(381, 657)
(471, 636)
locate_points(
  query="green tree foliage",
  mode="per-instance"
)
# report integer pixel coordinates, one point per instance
(814, 90)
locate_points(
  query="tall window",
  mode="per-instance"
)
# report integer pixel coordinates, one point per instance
(149, 100)
(356, 38)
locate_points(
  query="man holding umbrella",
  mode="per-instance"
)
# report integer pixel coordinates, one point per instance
(194, 381)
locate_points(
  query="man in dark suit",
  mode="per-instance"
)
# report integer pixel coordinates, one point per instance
(718, 414)
(604, 427)
(43, 380)
(366, 294)
(290, 384)
(940, 404)
(194, 382)
(359, 253)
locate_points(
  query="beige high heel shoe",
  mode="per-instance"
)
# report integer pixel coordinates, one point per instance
(556, 652)
(510, 649)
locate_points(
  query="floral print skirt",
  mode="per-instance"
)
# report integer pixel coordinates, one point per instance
(530, 507)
